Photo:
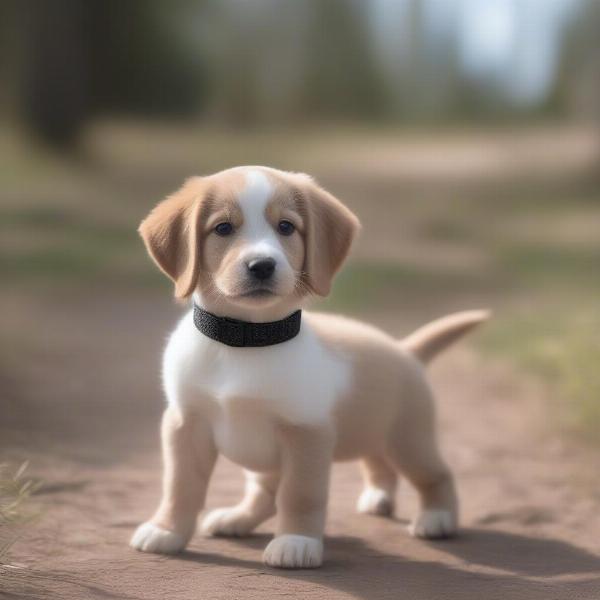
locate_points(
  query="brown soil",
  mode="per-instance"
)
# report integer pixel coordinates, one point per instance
(84, 409)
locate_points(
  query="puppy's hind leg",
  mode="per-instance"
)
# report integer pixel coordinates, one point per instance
(378, 496)
(257, 505)
(413, 449)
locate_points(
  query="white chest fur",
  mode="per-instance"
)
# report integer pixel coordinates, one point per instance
(244, 391)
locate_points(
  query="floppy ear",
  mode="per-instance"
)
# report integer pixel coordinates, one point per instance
(330, 230)
(171, 235)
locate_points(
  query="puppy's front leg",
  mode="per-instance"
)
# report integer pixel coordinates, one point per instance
(189, 456)
(301, 498)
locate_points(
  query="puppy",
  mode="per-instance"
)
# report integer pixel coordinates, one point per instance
(280, 392)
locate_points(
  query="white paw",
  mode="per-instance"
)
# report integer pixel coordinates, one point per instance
(228, 522)
(294, 552)
(375, 501)
(151, 538)
(431, 524)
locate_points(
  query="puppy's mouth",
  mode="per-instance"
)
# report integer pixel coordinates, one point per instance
(258, 293)
(252, 293)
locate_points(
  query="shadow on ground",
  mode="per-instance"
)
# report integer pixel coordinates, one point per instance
(525, 567)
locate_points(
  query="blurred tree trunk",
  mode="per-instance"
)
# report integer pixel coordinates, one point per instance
(577, 92)
(343, 79)
(53, 95)
(80, 58)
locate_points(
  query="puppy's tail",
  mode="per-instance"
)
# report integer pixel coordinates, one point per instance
(429, 340)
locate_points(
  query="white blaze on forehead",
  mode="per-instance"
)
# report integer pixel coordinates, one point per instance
(253, 201)
(257, 191)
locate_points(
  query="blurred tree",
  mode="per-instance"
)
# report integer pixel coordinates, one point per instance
(578, 89)
(343, 79)
(55, 78)
(279, 61)
(140, 61)
(283, 61)
(80, 58)
(433, 86)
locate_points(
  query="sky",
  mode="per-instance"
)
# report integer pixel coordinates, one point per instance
(514, 42)
(511, 46)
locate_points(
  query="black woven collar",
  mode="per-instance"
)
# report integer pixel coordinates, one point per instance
(243, 333)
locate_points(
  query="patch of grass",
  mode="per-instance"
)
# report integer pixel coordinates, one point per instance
(15, 490)
(557, 265)
(39, 216)
(447, 229)
(368, 284)
(56, 245)
(564, 350)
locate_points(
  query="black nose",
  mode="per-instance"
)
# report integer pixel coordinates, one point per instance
(261, 268)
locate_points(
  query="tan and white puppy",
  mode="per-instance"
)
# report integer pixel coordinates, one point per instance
(339, 390)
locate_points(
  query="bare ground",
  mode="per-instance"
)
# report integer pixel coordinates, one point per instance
(84, 409)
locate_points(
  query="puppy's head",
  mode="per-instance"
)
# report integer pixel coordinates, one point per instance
(250, 237)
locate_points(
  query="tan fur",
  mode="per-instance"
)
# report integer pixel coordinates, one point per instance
(189, 456)
(171, 234)
(386, 417)
(330, 230)
(430, 340)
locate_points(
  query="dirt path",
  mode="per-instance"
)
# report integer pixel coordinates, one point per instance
(84, 409)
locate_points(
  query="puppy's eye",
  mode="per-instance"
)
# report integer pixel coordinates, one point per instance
(224, 229)
(286, 228)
